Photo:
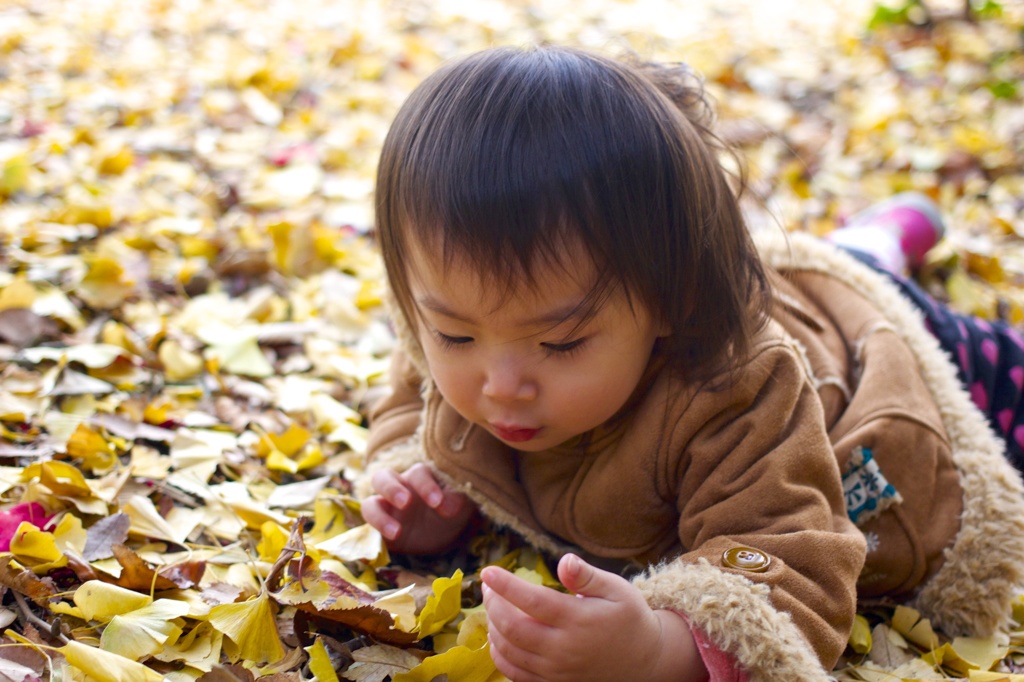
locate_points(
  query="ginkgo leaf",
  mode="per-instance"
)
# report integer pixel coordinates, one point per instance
(200, 648)
(102, 601)
(320, 662)
(443, 605)
(981, 652)
(103, 666)
(374, 663)
(180, 364)
(141, 633)
(473, 628)
(70, 535)
(297, 495)
(242, 355)
(60, 477)
(274, 538)
(401, 604)
(251, 626)
(147, 521)
(860, 636)
(92, 448)
(914, 627)
(458, 663)
(362, 543)
(36, 549)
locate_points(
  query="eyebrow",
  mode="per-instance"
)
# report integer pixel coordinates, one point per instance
(552, 317)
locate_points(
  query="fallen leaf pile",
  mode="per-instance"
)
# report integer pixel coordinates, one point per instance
(190, 319)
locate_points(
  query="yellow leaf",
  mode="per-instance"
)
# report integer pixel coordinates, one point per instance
(328, 519)
(70, 535)
(320, 663)
(310, 457)
(179, 363)
(104, 285)
(250, 625)
(115, 161)
(104, 666)
(970, 296)
(860, 636)
(200, 648)
(274, 539)
(102, 601)
(362, 543)
(401, 604)
(92, 448)
(141, 633)
(14, 175)
(916, 629)
(443, 605)
(946, 657)
(979, 652)
(36, 549)
(147, 521)
(473, 628)
(289, 443)
(458, 663)
(242, 356)
(529, 575)
(60, 477)
(18, 294)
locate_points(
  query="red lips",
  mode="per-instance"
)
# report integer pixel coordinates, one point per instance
(514, 434)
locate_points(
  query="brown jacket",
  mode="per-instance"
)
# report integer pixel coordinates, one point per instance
(845, 459)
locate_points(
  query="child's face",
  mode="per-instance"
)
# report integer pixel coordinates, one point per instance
(515, 364)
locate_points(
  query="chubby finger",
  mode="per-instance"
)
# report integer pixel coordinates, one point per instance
(580, 577)
(392, 488)
(421, 480)
(376, 511)
(515, 627)
(538, 602)
(454, 504)
(513, 662)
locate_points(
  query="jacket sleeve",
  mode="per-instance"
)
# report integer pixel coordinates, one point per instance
(394, 441)
(770, 562)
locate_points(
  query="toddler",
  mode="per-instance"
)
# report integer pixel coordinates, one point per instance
(727, 443)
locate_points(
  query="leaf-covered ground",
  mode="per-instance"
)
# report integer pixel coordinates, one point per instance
(190, 328)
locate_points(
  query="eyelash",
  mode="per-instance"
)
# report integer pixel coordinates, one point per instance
(451, 342)
(564, 349)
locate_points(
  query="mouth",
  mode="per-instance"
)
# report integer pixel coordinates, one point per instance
(514, 434)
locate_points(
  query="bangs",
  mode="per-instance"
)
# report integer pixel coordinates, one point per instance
(511, 160)
(508, 158)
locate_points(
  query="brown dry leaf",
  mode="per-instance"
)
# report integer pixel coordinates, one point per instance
(374, 663)
(888, 648)
(138, 575)
(25, 582)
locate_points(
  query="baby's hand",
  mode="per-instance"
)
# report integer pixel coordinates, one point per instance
(606, 631)
(414, 513)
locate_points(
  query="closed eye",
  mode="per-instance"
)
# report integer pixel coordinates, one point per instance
(450, 342)
(567, 348)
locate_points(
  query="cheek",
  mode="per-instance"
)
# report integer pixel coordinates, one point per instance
(453, 378)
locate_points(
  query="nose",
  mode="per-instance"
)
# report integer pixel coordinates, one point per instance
(506, 380)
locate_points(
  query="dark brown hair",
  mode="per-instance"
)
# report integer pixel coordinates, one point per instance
(505, 157)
